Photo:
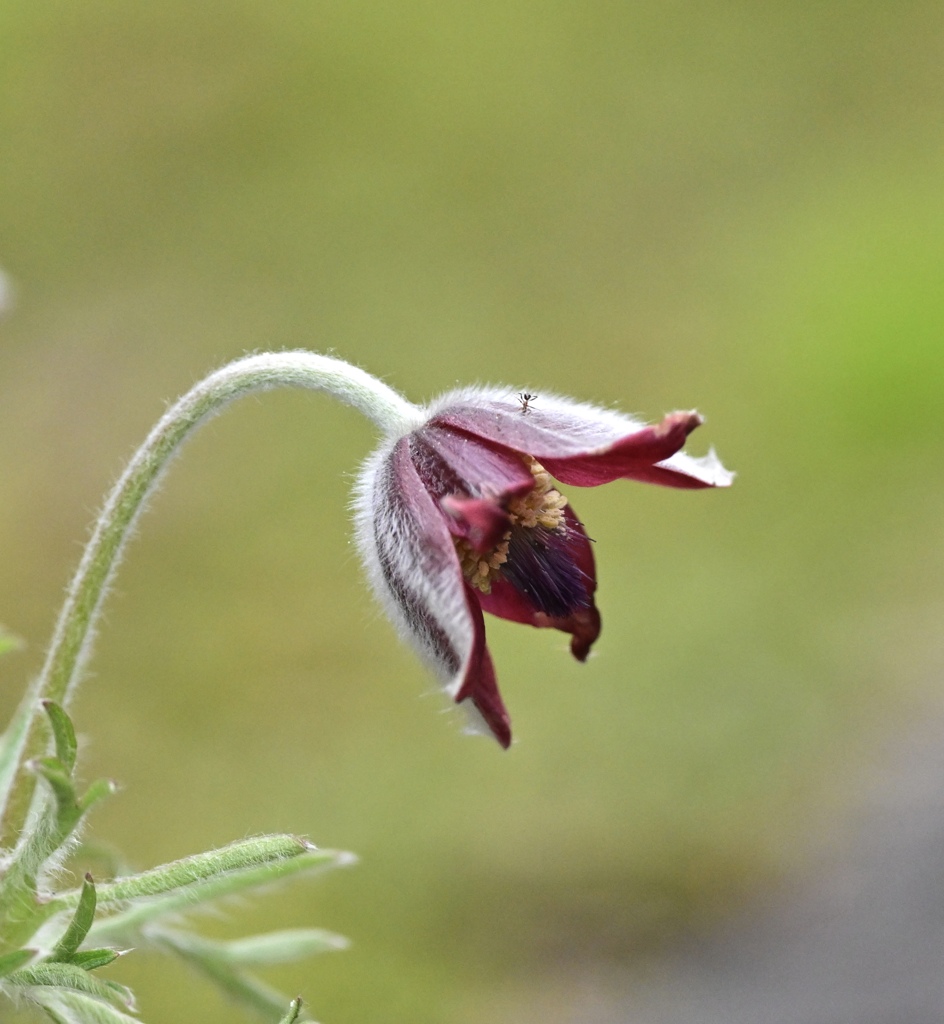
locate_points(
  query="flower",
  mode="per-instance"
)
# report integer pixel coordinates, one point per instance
(459, 515)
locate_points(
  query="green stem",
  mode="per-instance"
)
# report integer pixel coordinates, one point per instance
(27, 735)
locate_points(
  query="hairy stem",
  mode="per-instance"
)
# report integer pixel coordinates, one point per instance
(71, 644)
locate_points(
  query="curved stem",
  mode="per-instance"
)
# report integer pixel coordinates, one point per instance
(74, 633)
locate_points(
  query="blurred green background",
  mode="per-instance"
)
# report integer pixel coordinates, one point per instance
(734, 206)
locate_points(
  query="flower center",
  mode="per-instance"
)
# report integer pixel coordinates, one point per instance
(541, 509)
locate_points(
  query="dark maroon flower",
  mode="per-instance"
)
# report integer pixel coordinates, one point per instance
(460, 516)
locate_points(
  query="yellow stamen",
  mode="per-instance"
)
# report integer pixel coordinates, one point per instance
(542, 506)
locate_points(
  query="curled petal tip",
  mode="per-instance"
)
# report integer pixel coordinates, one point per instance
(688, 420)
(720, 476)
(586, 628)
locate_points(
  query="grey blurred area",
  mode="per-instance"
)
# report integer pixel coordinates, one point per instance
(858, 940)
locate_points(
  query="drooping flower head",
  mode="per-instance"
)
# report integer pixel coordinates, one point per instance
(461, 515)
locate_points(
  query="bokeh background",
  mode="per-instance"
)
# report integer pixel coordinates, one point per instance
(731, 206)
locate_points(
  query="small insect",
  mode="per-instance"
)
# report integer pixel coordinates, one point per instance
(526, 399)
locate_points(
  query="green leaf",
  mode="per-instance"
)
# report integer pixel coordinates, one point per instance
(74, 935)
(98, 791)
(13, 737)
(11, 962)
(66, 1007)
(63, 818)
(182, 885)
(11, 750)
(59, 778)
(265, 950)
(265, 852)
(58, 1018)
(295, 1008)
(222, 962)
(69, 976)
(92, 959)
(239, 986)
(279, 947)
(20, 913)
(59, 820)
(63, 732)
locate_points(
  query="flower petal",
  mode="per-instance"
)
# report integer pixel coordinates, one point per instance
(581, 444)
(483, 523)
(412, 563)
(479, 684)
(552, 425)
(508, 601)
(449, 462)
(630, 458)
(685, 471)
